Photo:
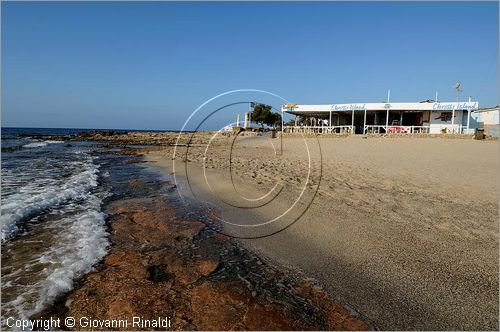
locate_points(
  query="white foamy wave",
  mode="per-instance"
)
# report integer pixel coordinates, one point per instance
(41, 194)
(35, 145)
(39, 144)
(53, 142)
(81, 242)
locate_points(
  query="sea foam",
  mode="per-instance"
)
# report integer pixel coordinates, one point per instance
(39, 144)
(35, 145)
(75, 228)
(41, 194)
(79, 245)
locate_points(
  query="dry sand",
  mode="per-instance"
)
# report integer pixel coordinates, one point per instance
(403, 230)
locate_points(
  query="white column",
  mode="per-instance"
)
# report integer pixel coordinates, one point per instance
(352, 122)
(330, 121)
(246, 121)
(387, 119)
(468, 119)
(238, 120)
(296, 119)
(468, 116)
(364, 123)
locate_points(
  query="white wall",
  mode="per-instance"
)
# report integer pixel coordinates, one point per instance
(487, 117)
(439, 121)
(437, 124)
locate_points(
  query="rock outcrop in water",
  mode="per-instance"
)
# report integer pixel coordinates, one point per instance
(156, 138)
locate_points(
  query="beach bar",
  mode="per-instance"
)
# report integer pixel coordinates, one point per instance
(426, 117)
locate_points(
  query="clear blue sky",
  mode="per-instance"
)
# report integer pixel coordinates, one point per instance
(149, 65)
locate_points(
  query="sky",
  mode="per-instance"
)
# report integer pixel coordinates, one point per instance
(126, 65)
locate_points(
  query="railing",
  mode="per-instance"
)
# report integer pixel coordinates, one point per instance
(434, 129)
(380, 129)
(346, 130)
(448, 129)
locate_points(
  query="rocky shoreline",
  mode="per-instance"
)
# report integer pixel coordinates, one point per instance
(164, 262)
(148, 138)
(202, 138)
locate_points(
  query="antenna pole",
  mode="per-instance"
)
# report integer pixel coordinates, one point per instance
(456, 87)
(453, 112)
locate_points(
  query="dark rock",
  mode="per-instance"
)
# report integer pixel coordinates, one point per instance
(157, 273)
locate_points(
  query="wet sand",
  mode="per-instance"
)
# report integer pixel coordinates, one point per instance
(404, 230)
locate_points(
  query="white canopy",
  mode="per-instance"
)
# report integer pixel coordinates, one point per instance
(424, 106)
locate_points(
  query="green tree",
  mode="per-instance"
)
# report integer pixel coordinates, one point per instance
(262, 115)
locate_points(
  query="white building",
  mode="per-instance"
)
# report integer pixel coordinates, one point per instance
(361, 118)
(487, 118)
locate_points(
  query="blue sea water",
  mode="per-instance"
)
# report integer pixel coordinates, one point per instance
(53, 228)
(40, 174)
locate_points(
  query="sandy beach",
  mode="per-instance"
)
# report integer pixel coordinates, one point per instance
(403, 230)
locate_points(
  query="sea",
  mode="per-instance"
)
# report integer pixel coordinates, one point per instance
(52, 220)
